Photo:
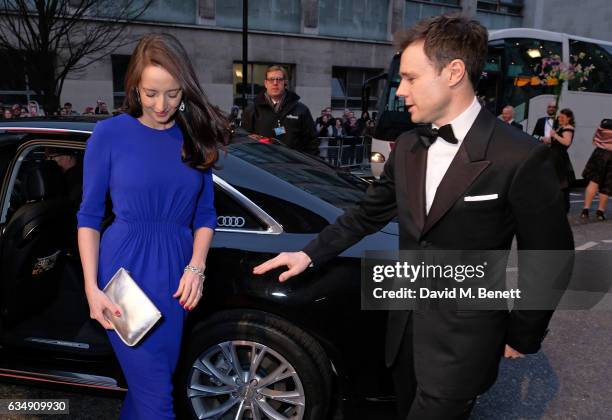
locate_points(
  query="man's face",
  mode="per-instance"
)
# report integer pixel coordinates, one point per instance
(551, 110)
(65, 162)
(275, 83)
(328, 111)
(426, 93)
(507, 115)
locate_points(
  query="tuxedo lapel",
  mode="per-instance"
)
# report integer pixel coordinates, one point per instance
(415, 159)
(467, 165)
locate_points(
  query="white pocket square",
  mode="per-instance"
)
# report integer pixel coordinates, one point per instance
(481, 197)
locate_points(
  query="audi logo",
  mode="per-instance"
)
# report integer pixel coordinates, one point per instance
(230, 221)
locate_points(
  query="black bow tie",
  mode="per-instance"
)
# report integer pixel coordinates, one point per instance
(428, 135)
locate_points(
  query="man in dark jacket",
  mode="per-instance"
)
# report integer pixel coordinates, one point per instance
(545, 124)
(507, 116)
(278, 112)
(467, 182)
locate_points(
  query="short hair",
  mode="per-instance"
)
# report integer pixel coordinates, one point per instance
(277, 67)
(510, 107)
(68, 104)
(449, 37)
(569, 114)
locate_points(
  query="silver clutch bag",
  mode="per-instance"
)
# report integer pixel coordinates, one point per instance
(138, 313)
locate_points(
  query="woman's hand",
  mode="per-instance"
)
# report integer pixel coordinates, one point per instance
(98, 302)
(189, 290)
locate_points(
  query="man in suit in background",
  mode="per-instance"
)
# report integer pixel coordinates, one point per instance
(470, 182)
(507, 116)
(545, 124)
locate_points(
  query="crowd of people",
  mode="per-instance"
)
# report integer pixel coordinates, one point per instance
(347, 125)
(33, 109)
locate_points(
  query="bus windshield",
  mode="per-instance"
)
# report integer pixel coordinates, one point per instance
(511, 74)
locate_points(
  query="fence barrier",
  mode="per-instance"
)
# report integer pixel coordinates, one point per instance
(346, 152)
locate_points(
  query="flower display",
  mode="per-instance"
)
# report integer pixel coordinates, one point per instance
(554, 72)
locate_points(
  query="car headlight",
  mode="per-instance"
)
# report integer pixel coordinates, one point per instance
(377, 158)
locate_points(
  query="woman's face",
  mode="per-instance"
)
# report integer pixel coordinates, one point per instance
(160, 96)
(563, 120)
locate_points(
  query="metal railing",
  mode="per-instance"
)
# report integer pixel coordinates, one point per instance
(351, 152)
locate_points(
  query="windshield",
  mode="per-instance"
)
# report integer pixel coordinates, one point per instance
(307, 173)
(389, 100)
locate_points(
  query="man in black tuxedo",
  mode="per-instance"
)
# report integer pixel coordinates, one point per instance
(507, 116)
(545, 124)
(475, 183)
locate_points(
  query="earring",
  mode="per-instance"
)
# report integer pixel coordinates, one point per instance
(182, 106)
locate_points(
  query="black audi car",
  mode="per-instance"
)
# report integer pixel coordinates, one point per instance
(302, 349)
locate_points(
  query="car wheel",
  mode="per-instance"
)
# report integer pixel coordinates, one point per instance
(253, 365)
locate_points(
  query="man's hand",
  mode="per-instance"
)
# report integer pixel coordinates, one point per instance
(295, 261)
(510, 353)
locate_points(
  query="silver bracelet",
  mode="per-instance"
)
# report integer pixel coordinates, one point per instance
(196, 270)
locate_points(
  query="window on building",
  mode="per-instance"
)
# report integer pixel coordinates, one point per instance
(264, 15)
(417, 10)
(497, 14)
(363, 19)
(510, 7)
(120, 65)
(347, 83)
(255, 83)
(14, 87)
(600, 57)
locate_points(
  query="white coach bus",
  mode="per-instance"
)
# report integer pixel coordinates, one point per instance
(513, 63)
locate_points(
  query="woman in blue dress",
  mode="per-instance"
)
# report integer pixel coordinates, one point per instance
(155, 160)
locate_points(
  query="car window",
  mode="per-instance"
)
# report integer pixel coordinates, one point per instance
(309, 174)
(45, 173)
(231, 215)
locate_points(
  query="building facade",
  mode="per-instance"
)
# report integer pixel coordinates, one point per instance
(330, 47)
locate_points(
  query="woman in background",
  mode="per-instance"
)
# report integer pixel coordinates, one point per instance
(560, 140)
(598, 171)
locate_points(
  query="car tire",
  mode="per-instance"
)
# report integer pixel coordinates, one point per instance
(204, 369)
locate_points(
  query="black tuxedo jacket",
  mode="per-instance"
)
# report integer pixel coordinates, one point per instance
(517, 125)
(457, 353)
(538, 130)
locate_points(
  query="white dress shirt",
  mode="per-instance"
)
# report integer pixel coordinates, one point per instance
(548, 125)
(441, 153)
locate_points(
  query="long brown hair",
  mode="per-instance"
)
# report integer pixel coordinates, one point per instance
(204, 126)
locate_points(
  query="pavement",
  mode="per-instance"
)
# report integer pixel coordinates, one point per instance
(570, 378)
